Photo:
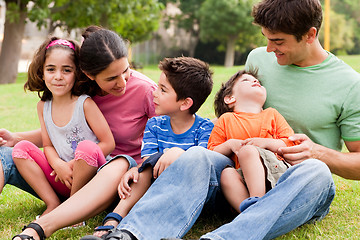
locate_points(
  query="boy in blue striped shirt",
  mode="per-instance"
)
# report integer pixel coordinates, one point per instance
(183, 86)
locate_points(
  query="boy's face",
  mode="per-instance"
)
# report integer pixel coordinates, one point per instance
(286, 48)
(247, 88)
(165, 97)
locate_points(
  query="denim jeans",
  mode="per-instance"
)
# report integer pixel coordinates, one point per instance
(11, 174)
(173, 203)
(303, 194)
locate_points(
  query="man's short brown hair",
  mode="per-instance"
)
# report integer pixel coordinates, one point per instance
(294, 17)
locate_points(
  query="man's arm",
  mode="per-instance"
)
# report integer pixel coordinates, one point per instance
(346, 165)
(9, 139)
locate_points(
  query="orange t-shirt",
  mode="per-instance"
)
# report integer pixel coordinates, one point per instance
(239, 125)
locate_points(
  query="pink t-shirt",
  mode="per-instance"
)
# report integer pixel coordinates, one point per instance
(127, 114)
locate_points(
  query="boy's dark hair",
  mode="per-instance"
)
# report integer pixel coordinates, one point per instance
(35, 80)
(99, 49)
(227, 89)
(190, 77)
(293, 17)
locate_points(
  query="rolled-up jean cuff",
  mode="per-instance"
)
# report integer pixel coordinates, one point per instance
(131, 161)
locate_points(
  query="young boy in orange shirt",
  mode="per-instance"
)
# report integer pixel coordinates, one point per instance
(250, 136)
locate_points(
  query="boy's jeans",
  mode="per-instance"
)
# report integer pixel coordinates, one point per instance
(173, 203)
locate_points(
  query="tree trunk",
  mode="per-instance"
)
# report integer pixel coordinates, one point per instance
(230, 51)
(11, 46)
(193, 43)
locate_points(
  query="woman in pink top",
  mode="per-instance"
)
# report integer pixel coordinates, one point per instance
(125, 98)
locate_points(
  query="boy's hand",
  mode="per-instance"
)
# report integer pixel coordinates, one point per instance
(235, 144)
(298, 153)
(124, 187)
(259, 142)
(166, 160)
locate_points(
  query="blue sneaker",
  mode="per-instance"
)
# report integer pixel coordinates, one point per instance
(247, 203)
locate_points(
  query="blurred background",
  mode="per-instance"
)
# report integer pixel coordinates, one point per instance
(219, 32)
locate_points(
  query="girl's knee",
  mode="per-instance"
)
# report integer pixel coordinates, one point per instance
(86, 145)
(24, 145)
(89, 152)
(22, 150)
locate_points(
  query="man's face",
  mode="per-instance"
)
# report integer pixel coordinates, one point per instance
(286, 48)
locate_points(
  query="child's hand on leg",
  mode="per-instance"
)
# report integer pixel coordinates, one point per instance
(124, 187)
(166, 160)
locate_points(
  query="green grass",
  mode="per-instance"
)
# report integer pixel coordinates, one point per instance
(17, 208)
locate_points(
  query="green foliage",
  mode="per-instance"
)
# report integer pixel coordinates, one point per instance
(342, 41)
(189, 17)
(135, 20)
(345, 26)
(14, 8)
(220, 19)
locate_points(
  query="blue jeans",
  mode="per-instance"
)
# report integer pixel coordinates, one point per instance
(11, 174)
(173, 203)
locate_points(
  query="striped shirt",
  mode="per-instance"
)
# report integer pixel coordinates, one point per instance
(158, 135)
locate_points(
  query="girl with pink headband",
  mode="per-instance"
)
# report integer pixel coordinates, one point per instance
(76, 137)
(125, 98)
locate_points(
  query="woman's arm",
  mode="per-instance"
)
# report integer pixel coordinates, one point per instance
(9, 139)
(99, 126)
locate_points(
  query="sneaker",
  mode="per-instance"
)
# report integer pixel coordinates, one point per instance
(248, 202)
(120, 235)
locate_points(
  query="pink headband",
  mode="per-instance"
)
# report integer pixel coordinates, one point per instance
(61, 42)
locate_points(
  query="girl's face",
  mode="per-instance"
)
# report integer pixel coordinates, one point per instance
(113, 79)
(59, 72)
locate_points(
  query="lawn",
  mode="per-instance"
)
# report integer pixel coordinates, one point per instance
(17, 208)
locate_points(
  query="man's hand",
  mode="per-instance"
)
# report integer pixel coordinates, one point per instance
(304, 150)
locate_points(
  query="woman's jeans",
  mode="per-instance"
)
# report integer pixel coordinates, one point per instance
(173, 203)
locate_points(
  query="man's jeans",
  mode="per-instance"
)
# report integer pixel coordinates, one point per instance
(173, 203)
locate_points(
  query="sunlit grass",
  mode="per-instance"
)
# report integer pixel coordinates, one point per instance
(17, 208)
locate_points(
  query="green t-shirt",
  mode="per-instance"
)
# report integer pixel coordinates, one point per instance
(321, 101)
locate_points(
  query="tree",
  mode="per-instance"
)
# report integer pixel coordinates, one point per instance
(342, 41)
(135, 20)
(227, 21)
(13, 33)
(188, 20)
(350, 9)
